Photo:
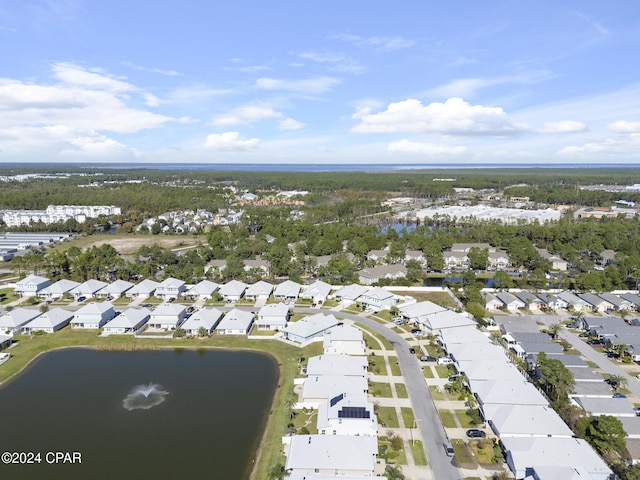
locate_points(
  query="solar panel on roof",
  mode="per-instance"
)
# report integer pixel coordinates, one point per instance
(336, 399)
(354, 412)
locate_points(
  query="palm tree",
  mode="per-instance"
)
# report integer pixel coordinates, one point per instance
(622, 349)
(618, 381)
(277, 472)
(554, 329)
(394, 472)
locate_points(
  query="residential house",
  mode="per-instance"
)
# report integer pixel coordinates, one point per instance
(58, 289)
(466, 247)
(310, 329)
(260, 290)
(317, 389)
(574, 302)
(167, 317)
(416, 255)
(215, 267)
(557, 263)
(93, 315)
(205, 318)
(235, 322)
(512, 392)
(88, 289)
(131, 321)
(510, 302)
(530, 301)
(345, 340)
(287, 291)
(433, 323)
(263, 267)
(378, 256)
(116, 289)
(31, 285)
(50, 321)
(598, 304)
(349, 294)
(12, 322)
(456, 260)
(203, 290)
(498, 260)
(417, 312)
(233, 291)
(170, 288)
(491, 370)
(614, 407)
(369, 276)
(144, 289)
(347, 415)
(618, 303)
(525, 421)
(377, 299)
(606, 258)
(634, 299)
(553, 302)
(337, 365)
(491, 302)
(317, 292)
(273, 316)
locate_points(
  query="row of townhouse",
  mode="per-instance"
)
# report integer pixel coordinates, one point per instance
(57, 213)
(537, 442)
(346, 445)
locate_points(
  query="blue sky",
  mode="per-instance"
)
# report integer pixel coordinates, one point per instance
(503, 81)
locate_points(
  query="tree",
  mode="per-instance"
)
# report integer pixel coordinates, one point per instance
(606, 434)
(179, 333)
(617, 381)
(554, 378)
(277, 472)
(554, 329)
(478, 258)
(203, 332)
(502, 279)
(394, 472)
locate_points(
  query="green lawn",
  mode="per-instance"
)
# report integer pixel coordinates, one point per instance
(401, 390)
(7, 295)
(378, 389)
(388, 417)
(419, 457)
(435, 392)
(308, 420)
(385, 342)
(377, 365)
(428, 372)
(463, 453)
(447, 419)
(466, 421)
(395, 368)
(443, 371)
(483, 451)
(407, 417)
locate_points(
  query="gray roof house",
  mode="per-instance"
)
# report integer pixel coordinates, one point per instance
(310, 328)
(511, 302)
(88, 289)
(31, 285)
(369, 276)
(116, 289)
(93, 315)
(525, 420)
(49, 322)
(167, 317)
(170, 288)
(235, 322)
(597, 303)
(554, 302)
(273, 316)
(618, 303)
(207, 318)
(378, 299)
(531, 301)
(233, 291)
(318, 292)
(634, 299)
(574, 302)
(144, 289)
(58, 289)
(11, 322)
(287, 291)
(615, 407)
(131, 321)
(349, 293)
(203, 290)
(260, 290)
(491, 302)
(263, 266)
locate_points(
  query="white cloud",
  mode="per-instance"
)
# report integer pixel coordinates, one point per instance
(454, 117)
(168, 73)
(315, 85)
(418, 148)
(245, 115)
(230, 141)
(151, 100)
(467, 87)
(622, 126)
(566, 126)
(626, 145)
(380, 43)
(78, 76)
(338, 61)
(290, 124)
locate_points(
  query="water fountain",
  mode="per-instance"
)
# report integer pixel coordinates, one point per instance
(144, 397)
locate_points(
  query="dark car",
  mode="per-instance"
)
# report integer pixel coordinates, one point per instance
(619, 395)
(475, 433)
(81, 299)
(427, 358)
(594, 341)
(416, 330)
(584, 335)
(412, 350)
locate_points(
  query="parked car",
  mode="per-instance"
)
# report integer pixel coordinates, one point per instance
(444, 361)
(81, 299)
(594, 341)
(448, 448)
(584, 335)
(412, 350)
(475, 433)
(416, 330)
(619, 395)
(427, 358)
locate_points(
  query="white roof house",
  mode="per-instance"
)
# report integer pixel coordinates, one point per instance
(115, 289)
(206, 318)
(58, 289)
(31, 285)
(203, 290)
(235, 322)
(13, 321)
(318, 292)
(342, 365)
(417, 312)
(491, 302)
(345, 340)
(378, 299)
(50, 321)
(506, 392)
(259, 290)
(309, 329)
(93, 315)
(527, 453)
(233, 291)
(466, 334)
(525, 421)
(128, 322)
(350, 293)
(144, 289)
(493, 370)
(316, 389)
(168, 316)
(615, 407)
(273, 316)
(575, 302)
(444, 320)
(335, 455)
(88, 289)
(481, 352)
(170, 288)
(287, 290)
(347, 415)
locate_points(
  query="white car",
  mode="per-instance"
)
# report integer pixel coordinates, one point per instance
(444, 361)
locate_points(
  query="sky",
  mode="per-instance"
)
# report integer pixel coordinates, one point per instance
(341, 82)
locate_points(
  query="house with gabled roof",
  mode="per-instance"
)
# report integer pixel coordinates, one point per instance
(317, 292)
(417, 312)
(129, 322)
(12, 322)
(93, 315)
(378, 256)
(506, 392)
(491, 302)
(309, 329)
(215, 266)
(233, 291)
(435, 322)
(618, 303)
(50, 321)
(350, 293)
(115, 289)
(235, 322)
(273, 316)
(206, 318)
(346, 414)
(416, 255)
(287, 291)
(87, 289)
(597, 303)
(170, 288)
(257, 264)
(260, 290)
(58, 289)
(510, 302)
(531, 301)
(614, 407)
(557, 263)
(525, 421)
(634, 299)
(344, 340)
(31, 285)
(371, 275)
(203, 290)
(167, 317)
(144, 289)
(378, 299)
(316, 389)
(340, 365)
(574, 302)
(552, 301)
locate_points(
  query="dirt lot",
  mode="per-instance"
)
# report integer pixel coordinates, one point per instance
(127, 245)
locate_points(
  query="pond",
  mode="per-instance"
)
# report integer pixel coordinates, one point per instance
(149, 414)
